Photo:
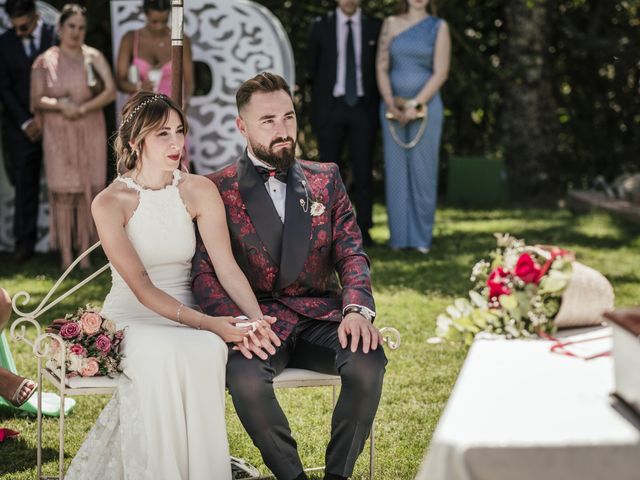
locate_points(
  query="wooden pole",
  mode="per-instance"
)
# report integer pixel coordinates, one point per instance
(177, 36)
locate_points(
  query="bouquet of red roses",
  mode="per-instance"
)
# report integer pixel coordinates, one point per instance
(91, 344)
(525, 290)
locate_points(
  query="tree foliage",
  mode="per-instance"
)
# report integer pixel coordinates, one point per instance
(590, 65)
(588, 51)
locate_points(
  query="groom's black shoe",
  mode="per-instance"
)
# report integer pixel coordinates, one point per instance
(302, 476)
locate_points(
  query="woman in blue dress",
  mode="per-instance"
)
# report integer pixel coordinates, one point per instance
(413, 60)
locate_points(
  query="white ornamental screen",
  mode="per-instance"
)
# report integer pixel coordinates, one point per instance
(233, 40)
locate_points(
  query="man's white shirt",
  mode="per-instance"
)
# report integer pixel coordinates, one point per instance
(341, 38)
(277, 190)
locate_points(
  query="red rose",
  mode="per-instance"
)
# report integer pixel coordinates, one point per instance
(527, 269)
(496, 283)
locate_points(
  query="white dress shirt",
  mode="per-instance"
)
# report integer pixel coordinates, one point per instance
(341, 37)
(277, 190)
(37, 35)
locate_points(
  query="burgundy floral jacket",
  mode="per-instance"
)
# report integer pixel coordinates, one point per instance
(292, 267)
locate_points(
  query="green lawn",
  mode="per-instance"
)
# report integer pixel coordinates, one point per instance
(410, 291)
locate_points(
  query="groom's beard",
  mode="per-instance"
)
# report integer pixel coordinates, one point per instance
(280, 160)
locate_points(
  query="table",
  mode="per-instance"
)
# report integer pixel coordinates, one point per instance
(520, 412)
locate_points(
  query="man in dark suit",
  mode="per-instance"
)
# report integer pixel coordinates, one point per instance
(344, 106)
(294, 235)
(19, 46)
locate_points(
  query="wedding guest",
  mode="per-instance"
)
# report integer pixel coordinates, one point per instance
(19, 46)
(344, 102)
(13, 388)
(412, 65)
(74, 134)
(295, 236)
(144, 58)
(167, 420)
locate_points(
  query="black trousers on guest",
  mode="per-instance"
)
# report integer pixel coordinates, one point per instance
(312, 345)
(356, 127)
(25, 163)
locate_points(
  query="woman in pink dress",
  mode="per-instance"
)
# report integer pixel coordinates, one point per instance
(144, 58)
(74, 133)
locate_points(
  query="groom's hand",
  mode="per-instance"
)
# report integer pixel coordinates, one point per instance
(262, 341)
(358, 327)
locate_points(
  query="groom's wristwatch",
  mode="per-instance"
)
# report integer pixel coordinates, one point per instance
(364, 311)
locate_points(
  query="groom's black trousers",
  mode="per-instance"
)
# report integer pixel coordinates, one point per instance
(313, 345)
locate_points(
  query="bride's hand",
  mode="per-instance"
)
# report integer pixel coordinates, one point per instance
(225, 328)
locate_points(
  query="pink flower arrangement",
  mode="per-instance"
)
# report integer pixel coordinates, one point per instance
(91, 345)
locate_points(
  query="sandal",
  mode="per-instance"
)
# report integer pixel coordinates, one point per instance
(15, 400)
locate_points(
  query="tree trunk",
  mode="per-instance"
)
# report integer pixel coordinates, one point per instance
(529, 109)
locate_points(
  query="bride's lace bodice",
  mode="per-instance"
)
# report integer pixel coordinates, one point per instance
(163, 235)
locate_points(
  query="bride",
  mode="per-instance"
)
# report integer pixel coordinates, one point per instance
(167, 418)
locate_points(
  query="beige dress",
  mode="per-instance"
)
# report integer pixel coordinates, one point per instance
(75, 151)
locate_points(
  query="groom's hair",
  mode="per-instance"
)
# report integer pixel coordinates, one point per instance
(264, 82)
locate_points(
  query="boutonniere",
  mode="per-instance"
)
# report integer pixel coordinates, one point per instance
(317, 208)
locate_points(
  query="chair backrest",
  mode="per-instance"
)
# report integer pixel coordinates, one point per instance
(40, 349)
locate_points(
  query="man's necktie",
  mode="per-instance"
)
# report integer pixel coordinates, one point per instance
(351, 86)
(265, 173)
(32, 47)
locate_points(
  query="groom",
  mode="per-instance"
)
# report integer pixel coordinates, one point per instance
(295, 236)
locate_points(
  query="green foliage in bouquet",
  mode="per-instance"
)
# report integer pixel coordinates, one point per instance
(516, 293)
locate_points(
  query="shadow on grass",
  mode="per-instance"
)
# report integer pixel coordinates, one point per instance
(18, 456)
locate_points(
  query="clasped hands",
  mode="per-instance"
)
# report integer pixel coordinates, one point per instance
(258, 338)
(70, 110)
(405, 115)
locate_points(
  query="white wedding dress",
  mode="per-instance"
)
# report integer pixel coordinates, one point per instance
(166, 420)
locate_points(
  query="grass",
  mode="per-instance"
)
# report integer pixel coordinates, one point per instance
(410, 291)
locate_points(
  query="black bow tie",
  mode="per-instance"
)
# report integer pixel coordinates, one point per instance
(265, 173)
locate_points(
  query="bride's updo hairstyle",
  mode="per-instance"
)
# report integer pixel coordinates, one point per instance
(141, 115)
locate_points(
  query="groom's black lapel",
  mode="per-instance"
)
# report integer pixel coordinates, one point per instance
(260, 207)
(297, 227)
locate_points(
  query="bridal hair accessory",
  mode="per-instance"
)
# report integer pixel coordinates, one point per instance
(139, 107)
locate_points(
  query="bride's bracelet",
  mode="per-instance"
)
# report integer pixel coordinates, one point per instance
(178, 312)
(200, 321)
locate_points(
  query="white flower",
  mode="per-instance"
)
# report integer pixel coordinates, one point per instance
(109, 326)
(317, 209)
(75, 363)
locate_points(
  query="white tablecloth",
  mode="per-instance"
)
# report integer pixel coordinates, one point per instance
(520, 412)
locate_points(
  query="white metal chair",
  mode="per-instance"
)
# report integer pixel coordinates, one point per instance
(289, 378)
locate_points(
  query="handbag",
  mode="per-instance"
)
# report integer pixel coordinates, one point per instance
(94, 81)
(422, 115)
